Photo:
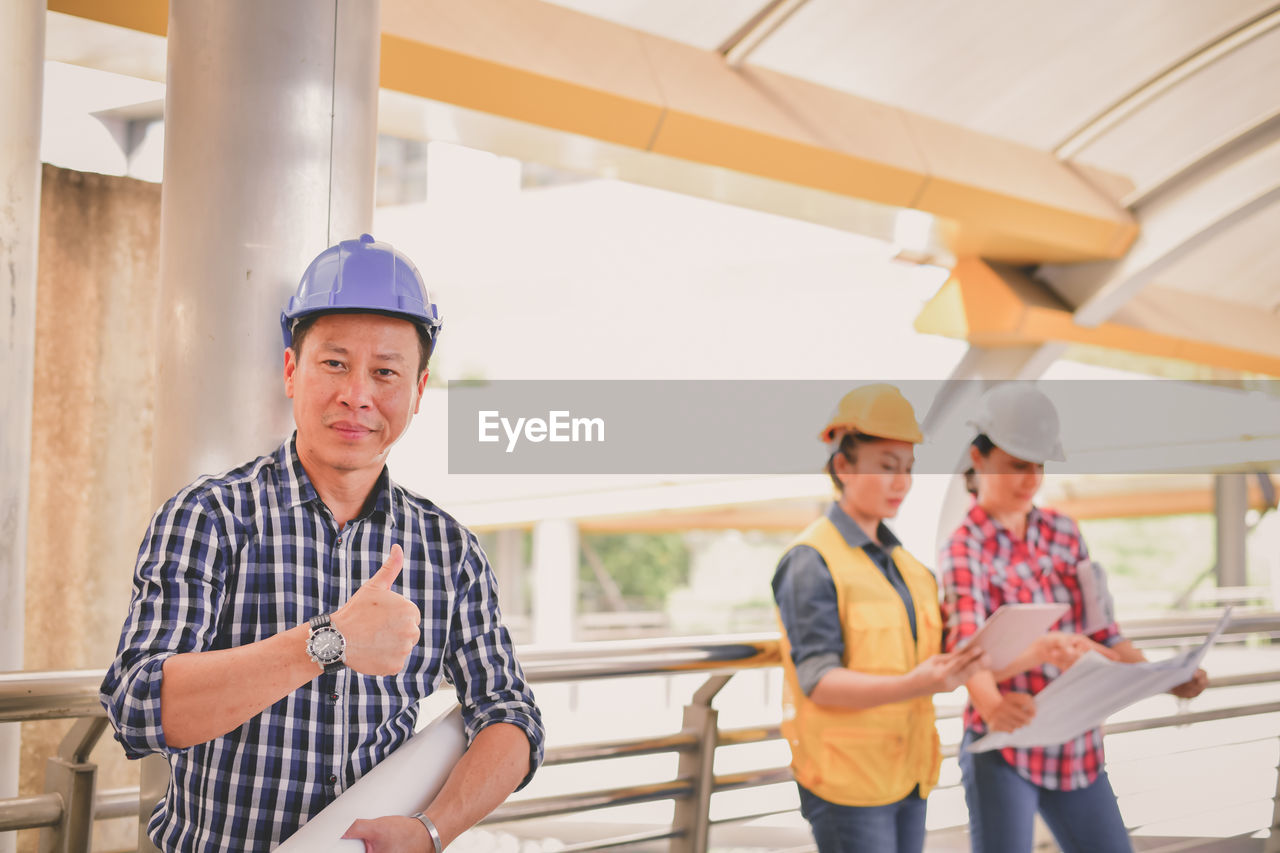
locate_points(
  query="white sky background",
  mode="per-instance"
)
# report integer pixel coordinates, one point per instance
(603, 279)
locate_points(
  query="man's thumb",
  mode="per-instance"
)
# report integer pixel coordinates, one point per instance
(390, 570)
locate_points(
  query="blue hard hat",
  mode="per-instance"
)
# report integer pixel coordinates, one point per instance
(362, 275)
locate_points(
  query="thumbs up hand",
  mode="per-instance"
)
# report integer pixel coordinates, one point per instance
(380, 625)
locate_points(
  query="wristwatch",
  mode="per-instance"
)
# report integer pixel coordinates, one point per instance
(325, 644)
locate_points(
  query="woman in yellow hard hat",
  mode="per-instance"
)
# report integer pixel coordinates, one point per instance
(861, 642)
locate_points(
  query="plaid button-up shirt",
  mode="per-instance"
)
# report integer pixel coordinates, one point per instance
(237, 558)
(984, 567)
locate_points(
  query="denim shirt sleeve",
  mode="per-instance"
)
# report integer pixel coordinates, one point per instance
(806, 597)
(481, 660)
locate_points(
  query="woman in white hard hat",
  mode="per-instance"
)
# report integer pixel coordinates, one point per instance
(1007, 550)
(861, 642)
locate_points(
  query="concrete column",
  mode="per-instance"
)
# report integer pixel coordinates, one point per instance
(509, 568)
(21, 94)
(1230, 505)
(270, 148)
(555, 581)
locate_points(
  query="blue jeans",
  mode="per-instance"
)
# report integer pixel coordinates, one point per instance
(895, 828)
(1002, 808)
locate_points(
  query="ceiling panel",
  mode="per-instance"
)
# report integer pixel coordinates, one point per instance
(1240, 265)
(1033, 71)
(1191, 119)
(705, 23)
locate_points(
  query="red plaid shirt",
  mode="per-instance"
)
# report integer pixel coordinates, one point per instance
(984, 567)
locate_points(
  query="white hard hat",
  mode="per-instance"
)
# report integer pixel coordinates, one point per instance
(1020, 420)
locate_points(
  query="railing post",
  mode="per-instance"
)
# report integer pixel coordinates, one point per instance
(1273, 841)
(692, 817)
(71, 775)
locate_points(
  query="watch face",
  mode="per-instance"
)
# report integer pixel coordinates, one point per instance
(327, 645)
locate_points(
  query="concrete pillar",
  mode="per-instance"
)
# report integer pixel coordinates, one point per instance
(270, 141)
(21, 94)
(555, 581)
(1230, 505)
(508, 566)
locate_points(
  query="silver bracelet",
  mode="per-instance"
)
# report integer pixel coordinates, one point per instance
(431, 830)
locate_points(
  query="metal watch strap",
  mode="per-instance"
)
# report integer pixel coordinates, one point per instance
(320, 620)
(431, 830)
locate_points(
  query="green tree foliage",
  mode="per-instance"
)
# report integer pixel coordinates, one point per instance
(631, 571)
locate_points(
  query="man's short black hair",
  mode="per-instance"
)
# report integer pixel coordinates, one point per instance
(425, 342)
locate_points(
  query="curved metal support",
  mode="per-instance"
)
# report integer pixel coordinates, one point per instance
(73, 779)
(81, 740)
(693, 812)
(1166, 80)
(752, 34)
(1212, 198)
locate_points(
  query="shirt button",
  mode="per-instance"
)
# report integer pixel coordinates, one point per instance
(333, 697)
(333, 780)
(339, 540)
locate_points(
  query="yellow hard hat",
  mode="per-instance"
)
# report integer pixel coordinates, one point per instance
(878, 410)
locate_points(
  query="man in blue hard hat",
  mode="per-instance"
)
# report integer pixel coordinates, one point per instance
(288, 615)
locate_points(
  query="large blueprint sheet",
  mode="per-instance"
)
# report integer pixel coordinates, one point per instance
(404, 783)
(1094, 689)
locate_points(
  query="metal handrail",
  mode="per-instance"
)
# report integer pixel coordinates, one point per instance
(74, 694)
(52, 695)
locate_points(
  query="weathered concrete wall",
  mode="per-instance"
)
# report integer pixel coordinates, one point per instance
(92, 418)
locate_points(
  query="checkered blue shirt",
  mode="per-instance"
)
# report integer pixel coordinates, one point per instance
(237, 558)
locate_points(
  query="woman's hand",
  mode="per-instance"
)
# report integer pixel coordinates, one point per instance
(1013, 711)
(1062, 650)
(944, 672)
(1193, 688)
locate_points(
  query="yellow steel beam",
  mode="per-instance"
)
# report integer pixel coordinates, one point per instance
(1149, 503)
(998, 307)
(145, 16)
(553, 67)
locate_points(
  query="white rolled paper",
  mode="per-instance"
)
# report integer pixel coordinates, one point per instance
(405, 782)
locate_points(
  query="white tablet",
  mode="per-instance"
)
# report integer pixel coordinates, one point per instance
(1013, 627)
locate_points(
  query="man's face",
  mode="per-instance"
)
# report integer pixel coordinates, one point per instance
(355, 388)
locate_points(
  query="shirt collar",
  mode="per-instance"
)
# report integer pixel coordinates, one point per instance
(296, 487)
(854, 535)
(987, 525)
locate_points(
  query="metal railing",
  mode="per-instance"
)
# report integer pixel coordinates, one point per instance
(71, 803)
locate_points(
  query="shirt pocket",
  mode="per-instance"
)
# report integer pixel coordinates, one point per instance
(868, 761)
(877, 637)
(929, 628)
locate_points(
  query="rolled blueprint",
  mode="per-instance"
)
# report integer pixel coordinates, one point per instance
(405, 782)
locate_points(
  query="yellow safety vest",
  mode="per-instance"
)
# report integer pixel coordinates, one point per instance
(875, 756)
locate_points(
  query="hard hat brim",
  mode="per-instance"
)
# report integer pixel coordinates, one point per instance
(1028, 454)
(829, 434)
